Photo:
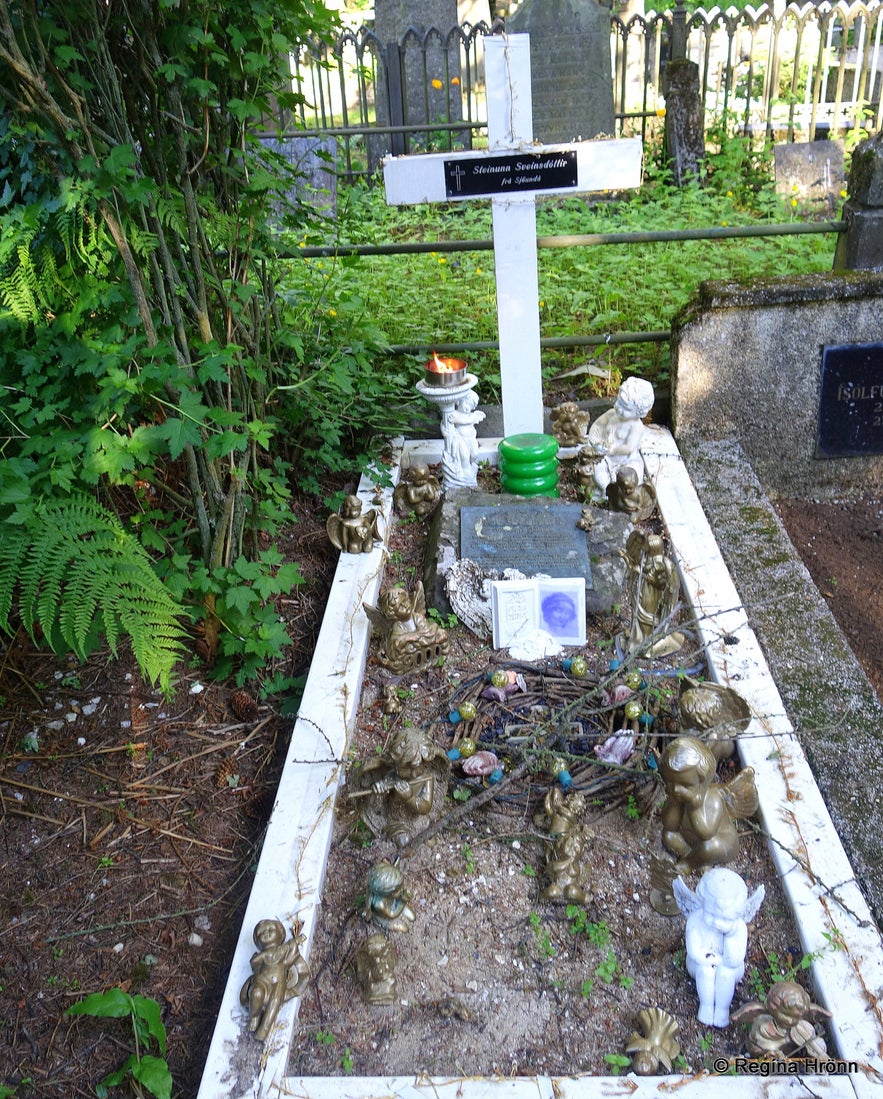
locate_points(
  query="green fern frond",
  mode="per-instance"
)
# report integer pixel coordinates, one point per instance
(78, 574)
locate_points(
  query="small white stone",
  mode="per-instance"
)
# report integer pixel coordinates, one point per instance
(119, 948)
(81, 741)
(443, 961)
(202, 923)
(472, 986)
(516, 845)
(195, 939)
(197, 689)
(71, 717)
(125, 724)
(55, 725)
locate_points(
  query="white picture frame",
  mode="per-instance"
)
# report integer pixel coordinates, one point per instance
(521, 607)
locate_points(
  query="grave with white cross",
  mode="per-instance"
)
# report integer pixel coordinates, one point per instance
(513, 172)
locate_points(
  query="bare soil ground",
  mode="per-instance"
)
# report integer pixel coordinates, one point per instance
(131, 825)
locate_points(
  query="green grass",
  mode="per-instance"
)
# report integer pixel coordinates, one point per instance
(440, 298)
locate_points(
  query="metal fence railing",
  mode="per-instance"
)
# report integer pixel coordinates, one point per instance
(792, 73)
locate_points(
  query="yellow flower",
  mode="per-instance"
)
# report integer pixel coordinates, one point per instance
(724, 224)
(844, 194)
(660, 112)
(455, 80)
(542, 305)
(479, 271)
(794, 188)
(437, 84)
(441, 259)
(729, 194)
(793, 201)
(332, 312)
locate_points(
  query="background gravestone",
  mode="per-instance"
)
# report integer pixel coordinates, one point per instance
(413, 95)
(571, 77)
(684, 120)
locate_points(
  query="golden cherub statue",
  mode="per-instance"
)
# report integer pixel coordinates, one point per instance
(405, 787)
(698, 817)
(279, 973)
(419, 494)
(408, 639)
(784, 1024)
(354, 531)
(375, 969)
(569, 424)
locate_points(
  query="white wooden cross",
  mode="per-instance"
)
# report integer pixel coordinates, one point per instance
(512, 172)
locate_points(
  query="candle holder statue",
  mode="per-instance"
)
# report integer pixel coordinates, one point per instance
(447, 384)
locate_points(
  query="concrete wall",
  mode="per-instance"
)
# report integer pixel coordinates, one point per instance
(746, 365)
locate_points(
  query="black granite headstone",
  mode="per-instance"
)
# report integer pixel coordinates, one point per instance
(532, 537)
(851, 401)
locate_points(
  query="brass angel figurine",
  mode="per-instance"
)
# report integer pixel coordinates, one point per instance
(714, 713)
(354, 531)
(409, 641)
(279, 973)
(655, 1042)
(419, 494)
(569, 424)
(627, 493)
(404, 788)
(375, 969)
(653, 587)
(698, 817)
(784, 1024)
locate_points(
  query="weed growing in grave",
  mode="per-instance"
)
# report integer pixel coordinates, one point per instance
(598, 934)
(346, 1061)
(469, 859)
(542, 936)
(150, 1072)
(631, 808)
(449, 621)
(325, 1037)
(617, 1062)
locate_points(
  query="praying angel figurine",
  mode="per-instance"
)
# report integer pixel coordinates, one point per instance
(718, 914)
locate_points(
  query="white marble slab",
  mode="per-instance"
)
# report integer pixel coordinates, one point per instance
(817, 877)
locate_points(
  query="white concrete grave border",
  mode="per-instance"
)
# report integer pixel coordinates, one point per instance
(805, 848)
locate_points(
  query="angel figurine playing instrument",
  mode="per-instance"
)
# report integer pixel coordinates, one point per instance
(785, 1024)
(718, 914)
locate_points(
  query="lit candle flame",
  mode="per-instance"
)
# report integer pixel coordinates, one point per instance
(444, 366)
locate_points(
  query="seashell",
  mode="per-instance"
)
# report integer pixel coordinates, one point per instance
(481, 764)
(616, 749)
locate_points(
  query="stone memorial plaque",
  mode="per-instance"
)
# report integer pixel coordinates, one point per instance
(532, 537)
(851, 401)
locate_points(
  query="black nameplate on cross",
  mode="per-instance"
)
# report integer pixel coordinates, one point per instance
(510, 172)
(851, 401)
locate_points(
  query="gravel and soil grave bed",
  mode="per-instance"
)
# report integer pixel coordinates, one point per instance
(492, 979)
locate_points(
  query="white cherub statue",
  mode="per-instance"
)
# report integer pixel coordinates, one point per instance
(717, 937)
(615, 437)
